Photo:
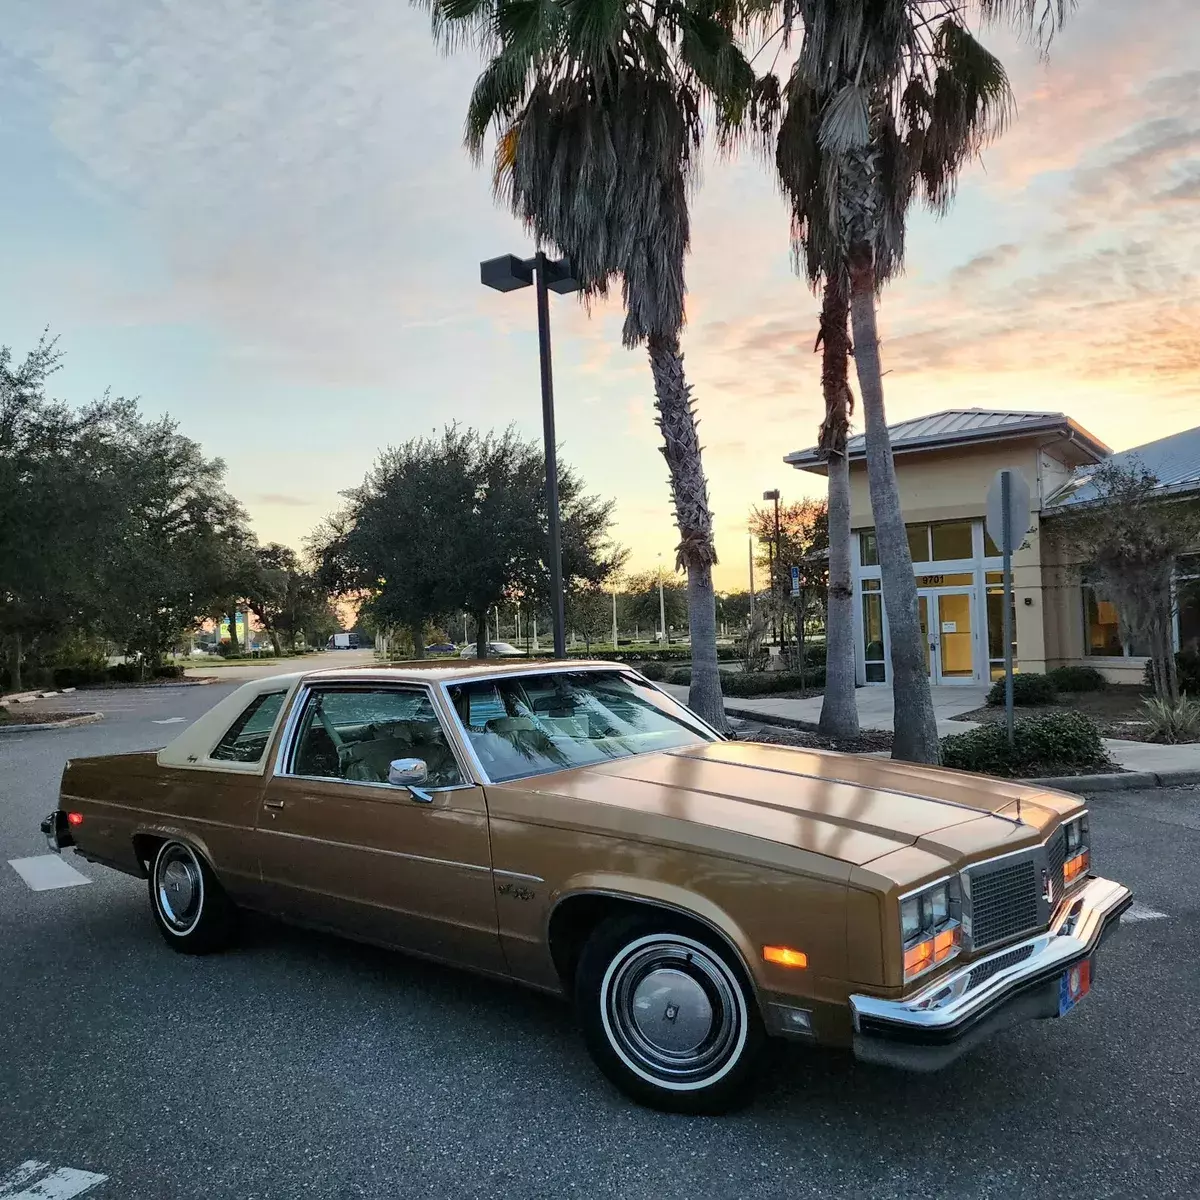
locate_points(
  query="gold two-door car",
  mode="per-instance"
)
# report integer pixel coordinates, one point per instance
(572, 827)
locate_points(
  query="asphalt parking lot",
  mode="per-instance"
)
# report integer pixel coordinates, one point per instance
(297, 1065)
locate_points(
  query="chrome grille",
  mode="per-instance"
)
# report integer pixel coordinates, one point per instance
(985, 971)
(1005, 900)
(1056, 854)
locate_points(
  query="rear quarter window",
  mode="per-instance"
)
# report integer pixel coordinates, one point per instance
(246, 739)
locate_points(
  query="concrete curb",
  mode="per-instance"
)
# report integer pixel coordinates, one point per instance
(83, 719)
(1124, 781)
(747, 714)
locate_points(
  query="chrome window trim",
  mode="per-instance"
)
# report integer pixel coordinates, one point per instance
(287, 741)
(616, 669)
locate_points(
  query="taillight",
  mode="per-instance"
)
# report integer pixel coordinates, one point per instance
(74, 818)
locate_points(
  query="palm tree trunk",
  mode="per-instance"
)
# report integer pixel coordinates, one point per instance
(418, 641)
(15, 671)
(915, 727)
(481, 634)
(839, 711)
(689, 492)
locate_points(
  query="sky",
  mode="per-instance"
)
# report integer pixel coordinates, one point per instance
(257, 216)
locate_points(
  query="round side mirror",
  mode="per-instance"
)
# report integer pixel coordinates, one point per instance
(408, 772)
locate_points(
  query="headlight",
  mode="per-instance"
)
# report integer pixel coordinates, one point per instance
(929, 927)
(1078, 858)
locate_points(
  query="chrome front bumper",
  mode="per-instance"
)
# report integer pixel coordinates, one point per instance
(944, 1020)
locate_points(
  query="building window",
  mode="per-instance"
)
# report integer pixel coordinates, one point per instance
(952, 540)
(918, 542)
(1187, 575)
(995, 624)
(873, 657)
(990, 549)
(1102, 629)
(868, 548)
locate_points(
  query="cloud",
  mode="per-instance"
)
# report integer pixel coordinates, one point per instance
(984, 264)
(283, 500)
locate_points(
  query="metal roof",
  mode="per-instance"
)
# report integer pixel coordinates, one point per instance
(1173, 460)
(962, 426)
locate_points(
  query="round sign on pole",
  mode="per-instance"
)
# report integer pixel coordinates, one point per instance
(1020, 509)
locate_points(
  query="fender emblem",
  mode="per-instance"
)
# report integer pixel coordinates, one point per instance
(516, 891)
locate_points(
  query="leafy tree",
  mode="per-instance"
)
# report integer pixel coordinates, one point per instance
(287, 600)
(458, 523)
(176, 541)
(885, 103)
(734, 609)
(598, 111)
(641, 606)
(589, 614)
(1128, 541)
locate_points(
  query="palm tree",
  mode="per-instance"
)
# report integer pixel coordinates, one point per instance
(598, 111)
(839, 710)
(884, 105)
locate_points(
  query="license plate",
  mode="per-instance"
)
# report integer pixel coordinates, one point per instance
(1075, 983)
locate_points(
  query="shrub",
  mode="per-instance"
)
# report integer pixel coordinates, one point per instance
(1030, 688)
(1056, 743)
(79, 676)
(768, 683)
(653, 670)
(168, 671)
(1187, 665)
(678, 654)
(1075, 679)
(1178, 722)
(126, 672)
(682, 675)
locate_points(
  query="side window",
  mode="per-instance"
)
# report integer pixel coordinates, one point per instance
(246, 739)
(356, 734)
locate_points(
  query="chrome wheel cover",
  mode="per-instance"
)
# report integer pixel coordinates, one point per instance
(674, 1012)
(178, 888)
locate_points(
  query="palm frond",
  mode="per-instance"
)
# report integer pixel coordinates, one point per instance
(495, 98)
(845, 120)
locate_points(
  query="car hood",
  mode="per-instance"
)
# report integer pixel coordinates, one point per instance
(846, 807)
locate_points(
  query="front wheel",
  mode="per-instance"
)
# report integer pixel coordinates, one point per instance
(667, 1015)
(190, 907)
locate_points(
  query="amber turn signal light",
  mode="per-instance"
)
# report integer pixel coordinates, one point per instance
(1073, 868)
(930, 952)
(784, 956)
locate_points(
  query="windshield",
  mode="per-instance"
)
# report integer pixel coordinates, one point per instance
(529, 724)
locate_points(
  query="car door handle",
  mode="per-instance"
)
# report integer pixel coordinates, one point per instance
(272, 804)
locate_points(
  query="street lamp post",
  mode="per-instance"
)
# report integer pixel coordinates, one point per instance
(776, 563)
(506, 274)
(662, 608)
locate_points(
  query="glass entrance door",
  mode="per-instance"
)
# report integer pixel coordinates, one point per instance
(946, 623)
(955, 638)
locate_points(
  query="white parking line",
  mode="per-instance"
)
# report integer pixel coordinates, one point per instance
(1140, 912)
(170, 721)
(47, 871)
(60, 1184)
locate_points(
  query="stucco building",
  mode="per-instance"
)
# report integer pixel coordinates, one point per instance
(945, 464)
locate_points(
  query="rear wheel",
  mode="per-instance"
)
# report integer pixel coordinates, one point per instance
(667, 1015)
(190, 907)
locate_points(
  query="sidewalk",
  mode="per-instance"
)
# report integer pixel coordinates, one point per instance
(876, 711)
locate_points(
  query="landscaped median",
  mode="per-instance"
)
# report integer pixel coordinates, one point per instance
(31, 722)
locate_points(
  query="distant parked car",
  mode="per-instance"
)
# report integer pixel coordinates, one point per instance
(495, 650)
(441, 648)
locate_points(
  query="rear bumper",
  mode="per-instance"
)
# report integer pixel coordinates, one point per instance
(57, 831)
(938, 1024)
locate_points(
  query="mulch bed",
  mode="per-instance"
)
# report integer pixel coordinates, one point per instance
(24, 717)
(1117, 711)
(869, 741)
